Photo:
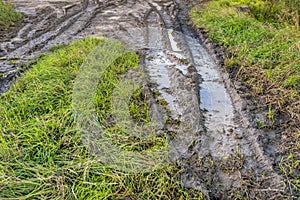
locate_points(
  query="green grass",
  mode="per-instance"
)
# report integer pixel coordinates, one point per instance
(262, 52)
(277, 12)
(8, 16)
(42, 155)
(266, 58)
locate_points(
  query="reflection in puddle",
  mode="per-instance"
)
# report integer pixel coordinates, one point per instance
(158, 64)
(172, 41)
(215, 100)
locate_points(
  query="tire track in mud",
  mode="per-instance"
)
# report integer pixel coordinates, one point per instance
(227, 161)
(215, 143)
(239, 159)
(44, 24)
(50, 23)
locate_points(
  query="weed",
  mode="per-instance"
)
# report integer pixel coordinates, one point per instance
(162, 102)
(156, 93)
(271, 115)
(139, 108)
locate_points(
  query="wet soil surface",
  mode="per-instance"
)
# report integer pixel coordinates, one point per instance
(216, 144)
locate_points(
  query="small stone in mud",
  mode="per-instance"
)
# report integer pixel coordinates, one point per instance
(168, 90)
(191, 68)
(150, 57)
(243, 8)
(230, 130)
(244, 106)
(238, 136)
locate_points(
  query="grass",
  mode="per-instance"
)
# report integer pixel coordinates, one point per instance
(8, 16)
(262, 52)
(42, 155)
(276, 12)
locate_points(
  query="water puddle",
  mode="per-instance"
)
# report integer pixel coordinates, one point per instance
(158, 65)
(215, 100)
(172, 40)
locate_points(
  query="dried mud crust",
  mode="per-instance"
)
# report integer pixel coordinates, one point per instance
(226, 163)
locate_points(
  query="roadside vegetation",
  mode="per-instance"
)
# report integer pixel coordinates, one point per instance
(262, 42)
(8, 16)
(41, 152)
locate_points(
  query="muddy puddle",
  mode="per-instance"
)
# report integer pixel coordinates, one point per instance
(226, 159)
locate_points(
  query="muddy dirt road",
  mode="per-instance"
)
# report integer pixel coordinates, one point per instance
(226, 159)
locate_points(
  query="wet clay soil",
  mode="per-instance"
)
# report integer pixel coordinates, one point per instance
(217, 145)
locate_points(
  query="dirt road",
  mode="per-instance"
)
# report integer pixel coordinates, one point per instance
(227, 159)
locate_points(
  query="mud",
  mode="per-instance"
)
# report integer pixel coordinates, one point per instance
(216, 144)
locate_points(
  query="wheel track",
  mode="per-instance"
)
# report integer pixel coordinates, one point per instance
(253, 158)
(41, 37)
(48, 19)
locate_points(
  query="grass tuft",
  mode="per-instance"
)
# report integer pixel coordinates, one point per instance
(41, 152)
(8, 16)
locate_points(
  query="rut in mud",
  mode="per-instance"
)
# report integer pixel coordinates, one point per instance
(226, 158)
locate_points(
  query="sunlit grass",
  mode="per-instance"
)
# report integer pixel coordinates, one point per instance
(267, 57)
(41, 152)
